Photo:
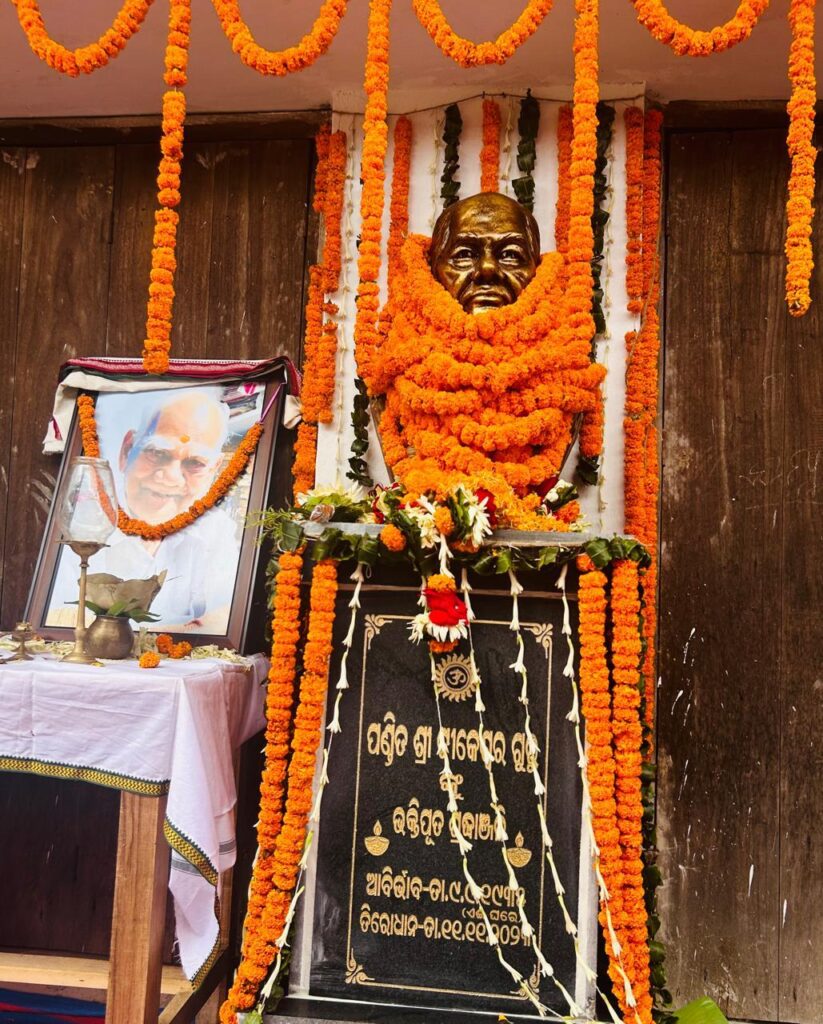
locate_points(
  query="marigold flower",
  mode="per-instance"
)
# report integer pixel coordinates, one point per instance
(149, 659)
(392, 538)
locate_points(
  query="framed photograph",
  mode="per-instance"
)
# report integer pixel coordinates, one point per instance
(166, 446)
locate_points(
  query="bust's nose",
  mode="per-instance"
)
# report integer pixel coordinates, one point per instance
(486, 266)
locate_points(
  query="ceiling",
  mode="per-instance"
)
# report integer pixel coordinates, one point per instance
(132, 84)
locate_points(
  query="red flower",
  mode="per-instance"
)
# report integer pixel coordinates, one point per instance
(491, 504)
(546, 486)
(445, 608)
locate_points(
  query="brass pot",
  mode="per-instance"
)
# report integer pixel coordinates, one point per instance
(110, 636)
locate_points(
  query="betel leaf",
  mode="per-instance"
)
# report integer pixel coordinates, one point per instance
(504, 560)
(367, 550)
(599, 552)
(700, 1011)
(546, 556)
(291, 536)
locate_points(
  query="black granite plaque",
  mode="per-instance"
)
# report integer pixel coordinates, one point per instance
(394, 918)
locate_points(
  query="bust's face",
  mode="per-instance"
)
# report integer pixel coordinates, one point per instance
(485, 251)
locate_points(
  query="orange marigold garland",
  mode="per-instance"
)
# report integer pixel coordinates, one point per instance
(799, 208)
(578, 299)
(372, 172)
(641, 473)
(628, 738)
(84, 59)
(280, 62)
(221, 486)
(399, 203)
(279, 701)
(600, 763)
(157, 344)
(490, 150)
(633, 119)
(564, 184)
(291, 836)
(471, 55)
(652, 15)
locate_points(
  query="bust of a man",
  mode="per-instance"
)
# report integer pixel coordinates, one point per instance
(485, 250)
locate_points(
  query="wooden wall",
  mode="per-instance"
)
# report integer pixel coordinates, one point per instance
(76, 215)
(740, 713)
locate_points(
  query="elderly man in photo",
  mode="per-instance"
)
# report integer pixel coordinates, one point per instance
(164, 464)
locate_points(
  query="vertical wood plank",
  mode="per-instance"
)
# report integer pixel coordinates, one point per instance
(12, 191)
(64, 281)
(720, 629)
(801, 795)
(138, 918)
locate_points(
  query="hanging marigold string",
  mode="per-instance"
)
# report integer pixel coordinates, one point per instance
(291, 838)
(472, 55)
(84, 59)
(221, 486)
(600, 766)
(641, 472)
(157, 344)
(633, 119)
(628, 738)
(279, 700)
(320, 340)
(799, 208)
(653, 15)
(578, 319)
(293, 58)
(399, 203)
(564, 184)
(490, 150)
(373, 175)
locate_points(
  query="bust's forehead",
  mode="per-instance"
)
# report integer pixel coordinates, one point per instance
(483, 214)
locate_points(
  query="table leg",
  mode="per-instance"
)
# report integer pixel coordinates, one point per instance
(140, 891)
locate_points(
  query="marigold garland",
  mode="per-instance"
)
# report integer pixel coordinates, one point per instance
(280, 62)
(84, 59)
(799, 208)
(279, 701)
(157, 343)
(564, 184)
(492, 396)
(490, 150)
(641, 473)
(471, 55)
(633, 120)
(372, 172)
(653, 15)
(600, 762)
(627, 730)
(578, 320)
(399, 203)
(291, 835)
(218, 490)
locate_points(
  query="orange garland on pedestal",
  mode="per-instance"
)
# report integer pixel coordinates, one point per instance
(290, 836)
(652, 15)
(564, 183)
(600, 762)
(628, 737)
(84, 59)
(279, 700)
(490, 150)
(471, 55)
(802, 151)
(157, 344)
(280, 62)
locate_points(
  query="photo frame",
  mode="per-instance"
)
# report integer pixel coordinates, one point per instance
(167, 441)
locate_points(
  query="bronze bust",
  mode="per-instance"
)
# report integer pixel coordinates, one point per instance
(485, 250)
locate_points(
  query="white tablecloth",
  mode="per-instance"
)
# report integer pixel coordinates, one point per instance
(166, 730)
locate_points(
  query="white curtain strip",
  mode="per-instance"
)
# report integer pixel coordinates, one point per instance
(603, 505)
